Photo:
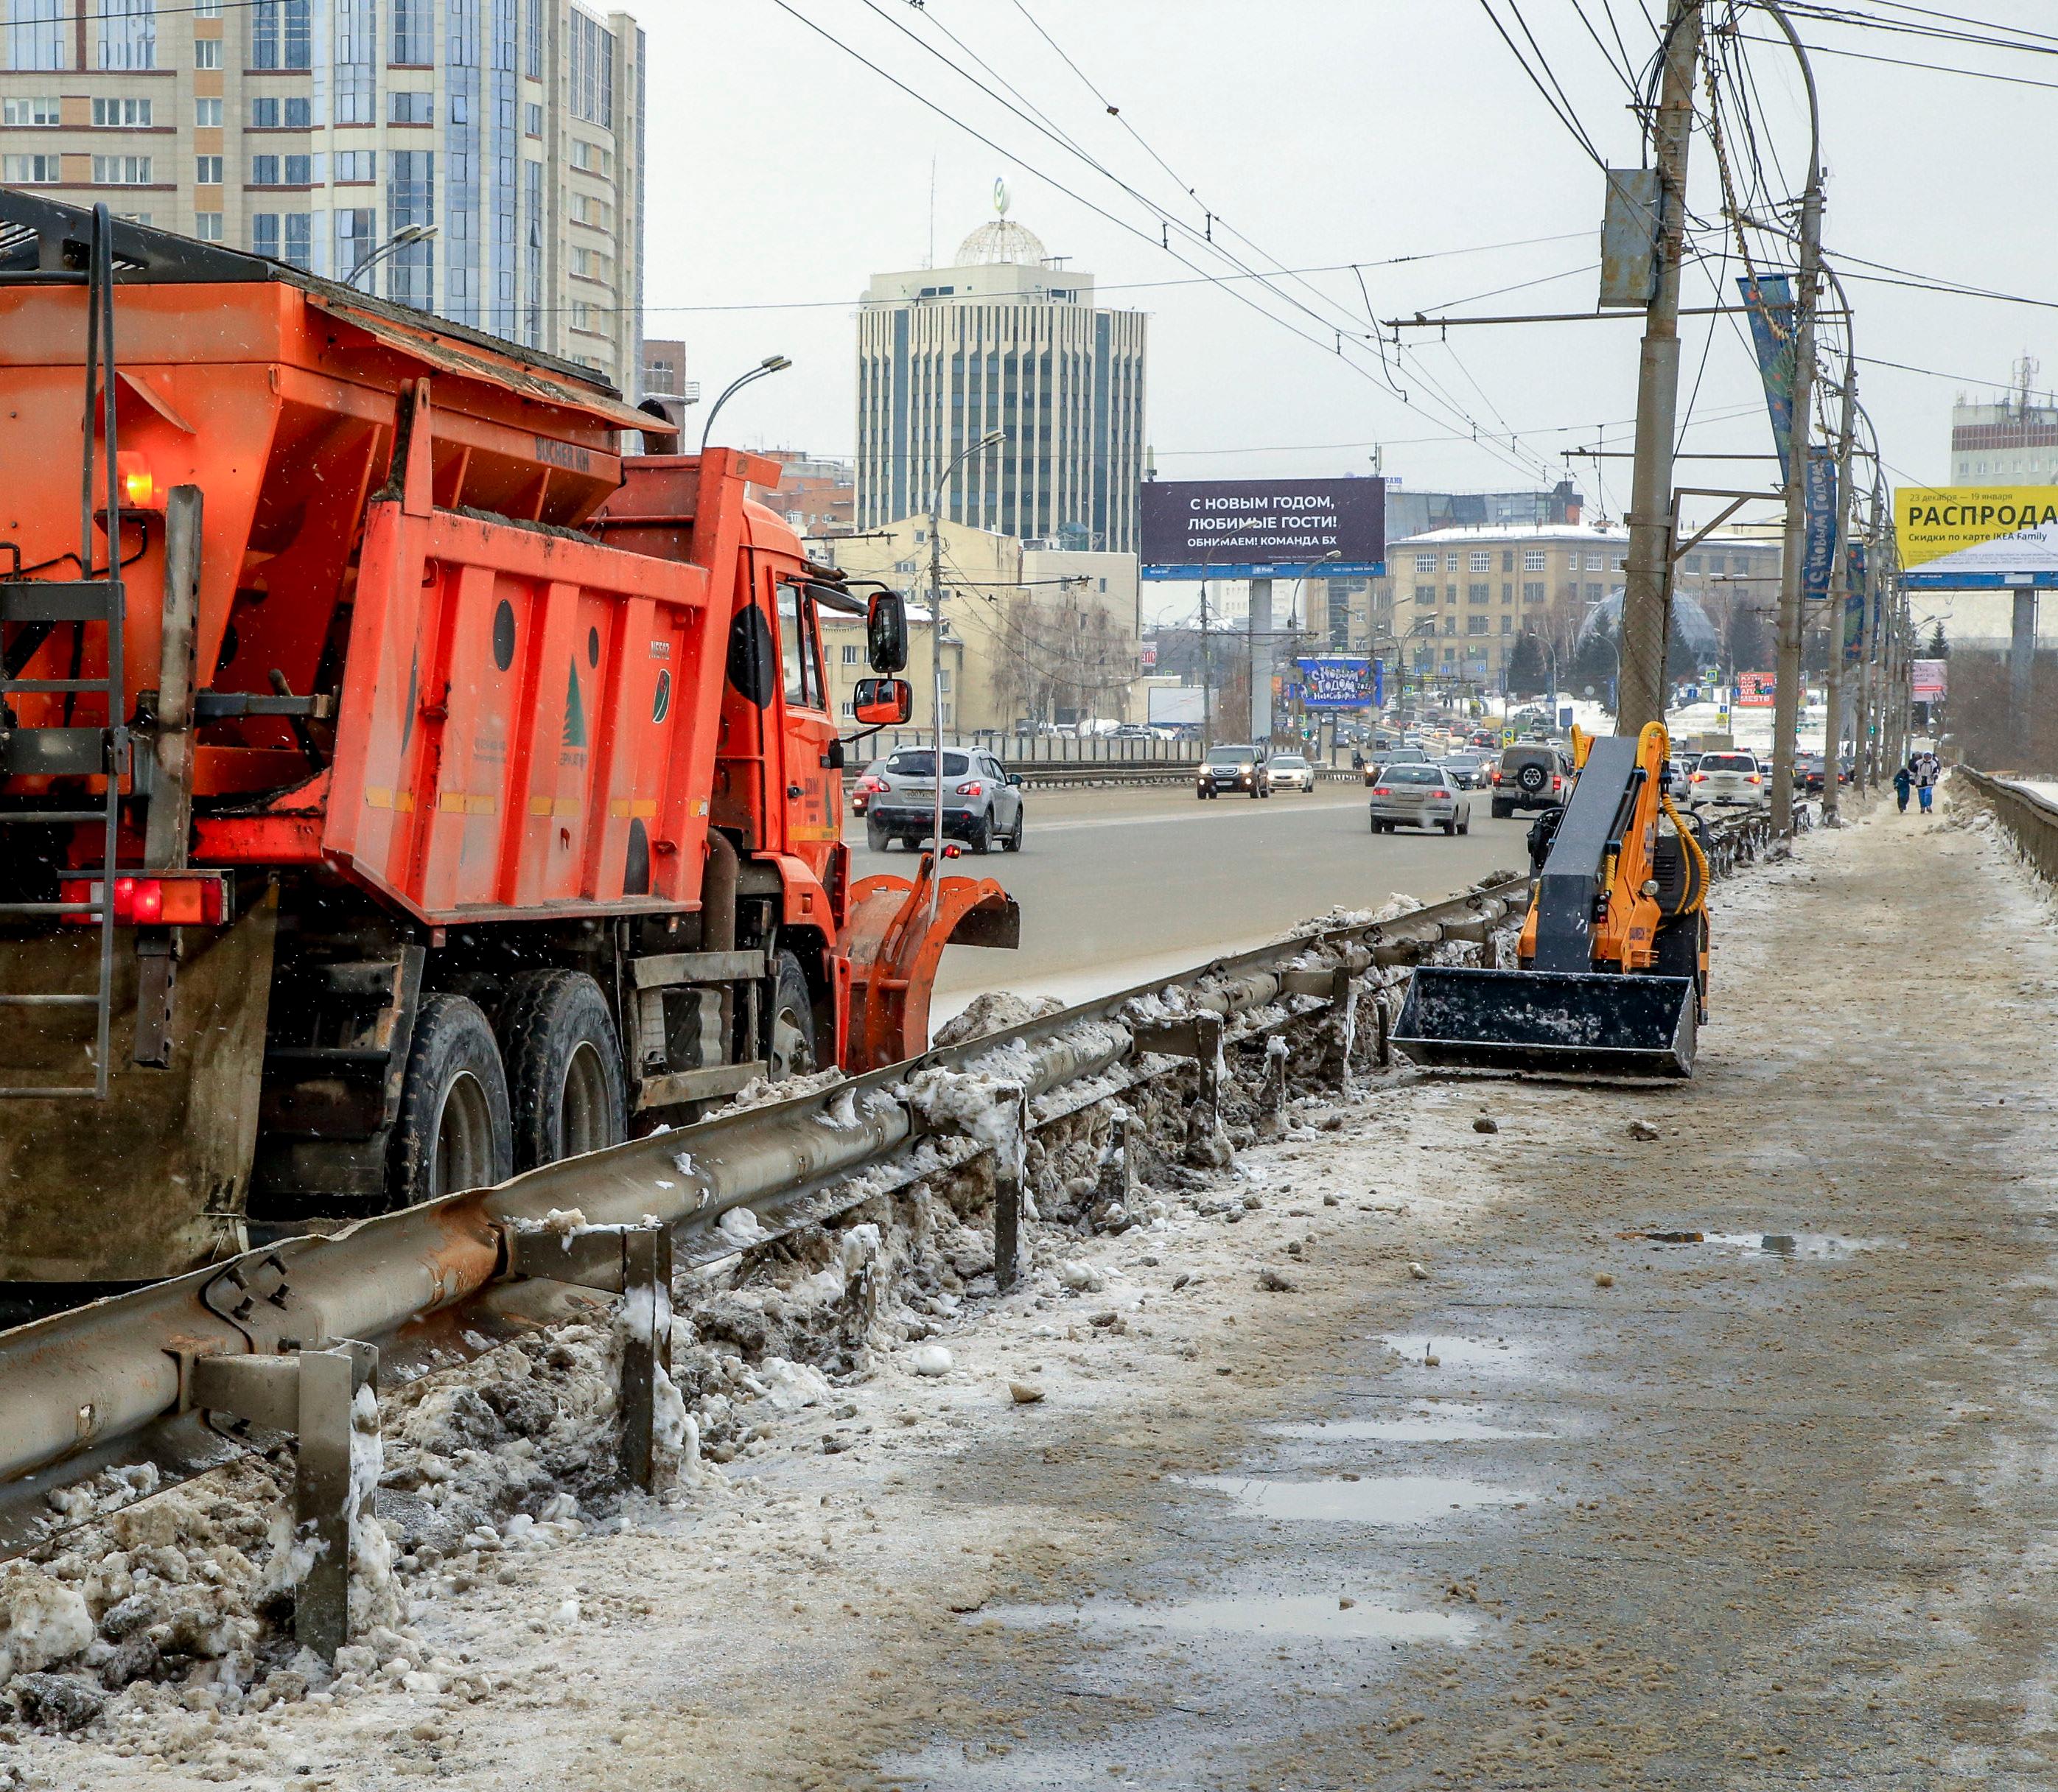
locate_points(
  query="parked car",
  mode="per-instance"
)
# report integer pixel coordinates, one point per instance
(1468, 769)
(982, 800)
(1808, 774)
(1419, 796)
(1232, 768)
(1290, 771)
(1727, 780)
(1533, 776)
(1393, 756)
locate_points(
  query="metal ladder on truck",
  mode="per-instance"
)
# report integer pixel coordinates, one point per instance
(31, 610)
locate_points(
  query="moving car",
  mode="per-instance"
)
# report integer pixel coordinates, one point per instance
(1393, 756)
(1727, 780)
(1468, 769)
(1419, 796)
(1290, 771)
(862, 791)
(1232, 768)
(982, 800)
(1534, 775)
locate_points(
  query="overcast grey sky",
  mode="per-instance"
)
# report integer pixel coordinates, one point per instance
(785, 172)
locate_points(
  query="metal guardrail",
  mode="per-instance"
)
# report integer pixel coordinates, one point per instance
(283, 1335)
(2031, 821)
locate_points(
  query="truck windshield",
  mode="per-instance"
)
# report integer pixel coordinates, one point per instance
(913, 764)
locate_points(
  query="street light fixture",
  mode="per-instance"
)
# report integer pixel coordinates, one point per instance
(992, 438)
(405, 237)
(772, 364)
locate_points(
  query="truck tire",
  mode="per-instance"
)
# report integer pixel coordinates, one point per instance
(876, 836)
(792, 1023)
(565, 1083)
(454, 1131)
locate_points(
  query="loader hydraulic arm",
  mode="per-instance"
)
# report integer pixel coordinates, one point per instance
(1593, 905)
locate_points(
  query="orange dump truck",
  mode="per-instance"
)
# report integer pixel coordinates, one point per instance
(400, 786)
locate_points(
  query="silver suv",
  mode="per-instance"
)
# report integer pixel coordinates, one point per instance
(982, 800)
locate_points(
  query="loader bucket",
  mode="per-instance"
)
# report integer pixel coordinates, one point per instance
(1589, 1024)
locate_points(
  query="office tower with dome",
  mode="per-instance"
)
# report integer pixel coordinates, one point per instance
(1007, 338)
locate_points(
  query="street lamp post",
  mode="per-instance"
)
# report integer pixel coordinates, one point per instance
(402, 238)
(772, 364)
(1293, 609)
(992, 438)
(1792, 583)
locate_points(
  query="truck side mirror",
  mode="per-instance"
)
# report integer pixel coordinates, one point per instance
(886, 632)
(883, 702)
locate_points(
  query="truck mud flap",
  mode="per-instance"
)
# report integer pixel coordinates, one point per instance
(1584, 1023)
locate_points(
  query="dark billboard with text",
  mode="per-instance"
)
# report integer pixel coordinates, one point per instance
(1264, 528)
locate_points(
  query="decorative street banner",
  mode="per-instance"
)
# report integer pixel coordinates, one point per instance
(1264, 528)
(1754, 689)
(1976, 538)
(1770, 299)
(1854, 606)
(1338, 683)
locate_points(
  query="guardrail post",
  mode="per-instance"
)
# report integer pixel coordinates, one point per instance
(1275, 1078)
(1343, 1004)
(647, 1313)
(1011, 1151)
(1117, 1182)
(1384, 1022)
(312, 1394)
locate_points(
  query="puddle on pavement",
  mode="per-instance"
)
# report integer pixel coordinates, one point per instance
(1428, 1350)
(1309, 1615)
(1814, 1246)
(1439, 1423)
(1360, 1499)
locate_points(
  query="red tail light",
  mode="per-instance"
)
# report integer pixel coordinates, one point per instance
(1698, 778)
(1495, 774)
(1440, 792)
(1380, 790)
(1557, 784)
(1752, 777)
(974, 789)
(197, 900)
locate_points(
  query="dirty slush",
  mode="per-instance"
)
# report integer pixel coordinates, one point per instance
(1611, 1443)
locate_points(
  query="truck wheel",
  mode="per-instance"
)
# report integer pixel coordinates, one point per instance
(454, 1130)
(876, 836)
(564, 1067)
(792, 1023)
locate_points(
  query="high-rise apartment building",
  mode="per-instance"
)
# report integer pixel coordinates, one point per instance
(1008, 338)
(507, 135)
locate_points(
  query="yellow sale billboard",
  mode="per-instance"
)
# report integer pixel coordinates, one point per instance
(1933, 521)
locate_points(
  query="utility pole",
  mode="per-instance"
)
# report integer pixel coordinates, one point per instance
(1647, 583)
(1840, 585)
(1864, 708)
(1207, 670)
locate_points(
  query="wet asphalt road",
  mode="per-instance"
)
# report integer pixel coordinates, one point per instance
(1585, 1509)
(1118, 885)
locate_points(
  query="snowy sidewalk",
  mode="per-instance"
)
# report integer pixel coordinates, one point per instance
(1572, 1505)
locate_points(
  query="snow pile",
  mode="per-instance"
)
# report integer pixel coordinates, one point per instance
(994, 1012)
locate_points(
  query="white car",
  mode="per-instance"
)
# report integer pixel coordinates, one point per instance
(1727, 780)
(1289, 771)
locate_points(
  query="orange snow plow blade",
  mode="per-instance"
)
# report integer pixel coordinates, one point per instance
(894, 951)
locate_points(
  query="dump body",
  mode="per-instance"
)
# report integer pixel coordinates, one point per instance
(434, 721)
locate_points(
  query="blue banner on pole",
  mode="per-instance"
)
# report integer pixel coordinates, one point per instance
(1770, 300)
(1854, 606)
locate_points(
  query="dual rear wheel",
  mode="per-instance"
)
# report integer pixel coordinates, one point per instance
(476, 1108)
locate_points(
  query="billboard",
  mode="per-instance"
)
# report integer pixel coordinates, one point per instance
(1927, 680)
(1973, 538)
(1263, 528)
(1171, 704)
(1335, 682)
(1755, 689)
